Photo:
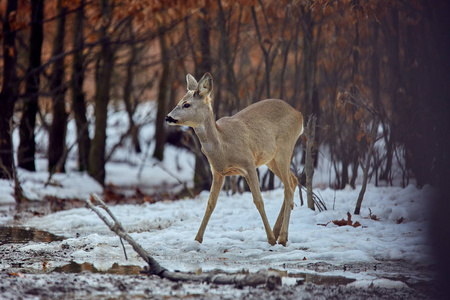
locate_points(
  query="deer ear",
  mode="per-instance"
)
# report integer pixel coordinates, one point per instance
(191, 82)
(205, 85)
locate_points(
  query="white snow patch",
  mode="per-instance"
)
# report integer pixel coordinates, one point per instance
(378, 283)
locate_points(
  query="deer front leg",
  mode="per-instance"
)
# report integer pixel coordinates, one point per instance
(253, 182)
(214, 193)
(279, 222)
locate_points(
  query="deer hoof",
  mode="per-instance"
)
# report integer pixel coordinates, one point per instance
(282, 241)
(272, 240)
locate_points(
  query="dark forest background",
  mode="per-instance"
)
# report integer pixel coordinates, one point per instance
(354, 64)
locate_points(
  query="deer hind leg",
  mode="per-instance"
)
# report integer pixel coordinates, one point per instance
(277, 227)
(213, 195)
(253, 182)
(280, 165)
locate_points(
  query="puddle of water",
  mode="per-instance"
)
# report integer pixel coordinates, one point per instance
(20, 235)
(74, 267)
(317, 278)
(322, 279)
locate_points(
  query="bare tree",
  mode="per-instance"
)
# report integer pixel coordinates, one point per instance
(163, 97)
(57, 132)
(104, 69)
(27, 145)
(8, 95)
(366, 165)
(310, 133)
(78, 99)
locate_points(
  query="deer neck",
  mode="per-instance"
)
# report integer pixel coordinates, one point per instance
(208, 134)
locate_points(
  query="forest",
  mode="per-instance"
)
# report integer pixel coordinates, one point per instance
(85, 89)
(354, 64)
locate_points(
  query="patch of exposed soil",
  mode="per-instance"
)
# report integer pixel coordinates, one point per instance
(89, 285)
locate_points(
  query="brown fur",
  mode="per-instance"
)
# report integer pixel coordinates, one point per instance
(262, 133)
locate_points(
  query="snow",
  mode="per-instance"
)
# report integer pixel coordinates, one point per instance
(382, 282)
(235, 238)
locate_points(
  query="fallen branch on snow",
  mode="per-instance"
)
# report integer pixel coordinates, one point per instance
(271, 279)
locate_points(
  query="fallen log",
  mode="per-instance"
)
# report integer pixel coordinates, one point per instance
(271, 279)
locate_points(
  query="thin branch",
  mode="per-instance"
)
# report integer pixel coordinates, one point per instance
(258, 33)
(270, 279)
(265, 18)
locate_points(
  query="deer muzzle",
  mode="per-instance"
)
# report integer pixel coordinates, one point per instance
(170, 120)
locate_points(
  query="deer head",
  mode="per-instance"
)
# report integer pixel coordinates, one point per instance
(195, 106)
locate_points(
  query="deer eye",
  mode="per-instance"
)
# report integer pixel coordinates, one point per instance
(186, 105)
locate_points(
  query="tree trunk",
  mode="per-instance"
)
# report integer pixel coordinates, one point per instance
(355, 166)
(8, 95)
(27, 146)
(354, 152)
(308, 63)
(57, 134)
(78, 103)
(309, 66)
(224, 44)
(202, 173)
(104, 71)
(310, 132)
(267, 62)
(205, 47)
(344, 174)
(396, 127)
(127, 91)
(373, 137)
(164, 90)
(375, 80)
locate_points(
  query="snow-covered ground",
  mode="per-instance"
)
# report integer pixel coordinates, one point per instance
(235, 238)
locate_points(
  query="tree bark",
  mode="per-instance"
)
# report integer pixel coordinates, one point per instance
(78, 101)
(354, 153)
(202, 171)
(8, 95)
(127, 91)
(205, 64)
(310, 132)
(104, 71)
(344, 174)
(373, 137)
(396, 128)
(57, 134)
(163, 95)
(268, 66)
(224, 44)
(27, 145)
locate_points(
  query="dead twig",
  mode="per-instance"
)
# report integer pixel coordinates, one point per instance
(271, 279)
(317, 199)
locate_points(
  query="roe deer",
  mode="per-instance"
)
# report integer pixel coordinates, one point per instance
(263, 133)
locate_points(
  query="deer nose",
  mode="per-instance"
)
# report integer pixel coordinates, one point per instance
(169, 120)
